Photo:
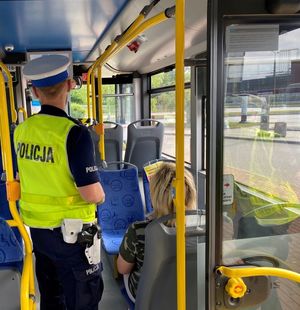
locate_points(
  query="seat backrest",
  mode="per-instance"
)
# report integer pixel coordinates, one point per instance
(6, 215)
(148, 170)
(95, 138)
(113, 142)
(123, 203)
(144, 143)
(1, 164)
(10, 248)
(157, 285)
(10, 288)
(146, 186)
(11, 251)
(11, 257)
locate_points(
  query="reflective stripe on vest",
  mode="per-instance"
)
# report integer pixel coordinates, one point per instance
(48, 190)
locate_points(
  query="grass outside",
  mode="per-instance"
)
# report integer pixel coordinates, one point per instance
(256, 113)
(233, 125)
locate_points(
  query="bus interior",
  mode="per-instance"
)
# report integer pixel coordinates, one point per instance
(211, 85)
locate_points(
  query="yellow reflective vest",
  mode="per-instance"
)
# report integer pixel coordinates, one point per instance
(48, 191)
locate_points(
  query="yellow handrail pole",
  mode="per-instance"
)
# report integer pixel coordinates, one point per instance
(27, 284)
(179, 182)
(110, 52)
(96, 63)
(93, 96)
(128, 36)
(88, 83)
(12, 223)
(22, 110)
(11, 92)
(93, 67)
(2, 149)
(157, 19)
(99, 62)
(110, 48)
(116, 46)
(145, 11)
(100, 110)
(131, 28)
(89, 76)
(244, 272)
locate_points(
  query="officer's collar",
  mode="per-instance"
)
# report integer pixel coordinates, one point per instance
(52, 110)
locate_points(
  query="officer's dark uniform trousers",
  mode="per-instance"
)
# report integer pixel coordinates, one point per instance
(81, 283)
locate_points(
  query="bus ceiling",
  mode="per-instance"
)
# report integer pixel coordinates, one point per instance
(87, 27)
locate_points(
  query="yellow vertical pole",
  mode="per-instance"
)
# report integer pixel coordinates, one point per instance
(88, 86)
(93, 96)
(179, 182)
(27, 280)
(11, 93)
(100, 107)
(115, 47)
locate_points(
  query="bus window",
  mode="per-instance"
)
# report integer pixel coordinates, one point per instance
(118, 103)
(78, 105)
(164, 79)
(262, 113)
(163, 109)
(261, 182)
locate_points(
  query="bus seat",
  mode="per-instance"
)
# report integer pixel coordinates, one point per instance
(6, 215)
(157, 285)
(123, 204)
(10, 277)
(113, 142)
(95, 138)
(148, 169)
(146, 185)
(10, 248)
(144, 143)
(10, 280)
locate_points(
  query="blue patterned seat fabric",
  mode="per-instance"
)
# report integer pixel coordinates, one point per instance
(10, 249)
(146, 186)
(11, 259)
(123, 205)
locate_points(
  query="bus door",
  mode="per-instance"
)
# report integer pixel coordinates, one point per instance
(253, 166)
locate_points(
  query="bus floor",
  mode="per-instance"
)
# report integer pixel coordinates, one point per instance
(112, 297)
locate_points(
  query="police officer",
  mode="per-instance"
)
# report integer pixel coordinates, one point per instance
(59, 181)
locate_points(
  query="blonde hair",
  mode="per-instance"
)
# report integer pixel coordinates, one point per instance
(51, 92)
(161, 191)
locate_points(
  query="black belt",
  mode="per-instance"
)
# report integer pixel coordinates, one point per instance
(84, 226)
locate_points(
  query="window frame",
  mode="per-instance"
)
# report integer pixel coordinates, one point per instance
(159, 90)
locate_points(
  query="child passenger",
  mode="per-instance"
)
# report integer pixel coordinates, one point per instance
(131, 256)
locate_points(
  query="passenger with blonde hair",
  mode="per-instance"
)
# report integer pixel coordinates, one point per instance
(131, 253)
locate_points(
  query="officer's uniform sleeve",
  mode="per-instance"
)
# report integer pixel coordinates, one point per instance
(128, 246)
(81, 156)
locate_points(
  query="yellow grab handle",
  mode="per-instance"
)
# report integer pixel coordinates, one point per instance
(100, 105)
(22, 110)
(116, 46)
(27, 279)
(11, 92)
(242, 272)
(138, 20)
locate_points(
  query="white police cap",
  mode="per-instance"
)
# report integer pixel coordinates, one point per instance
(47, 70)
